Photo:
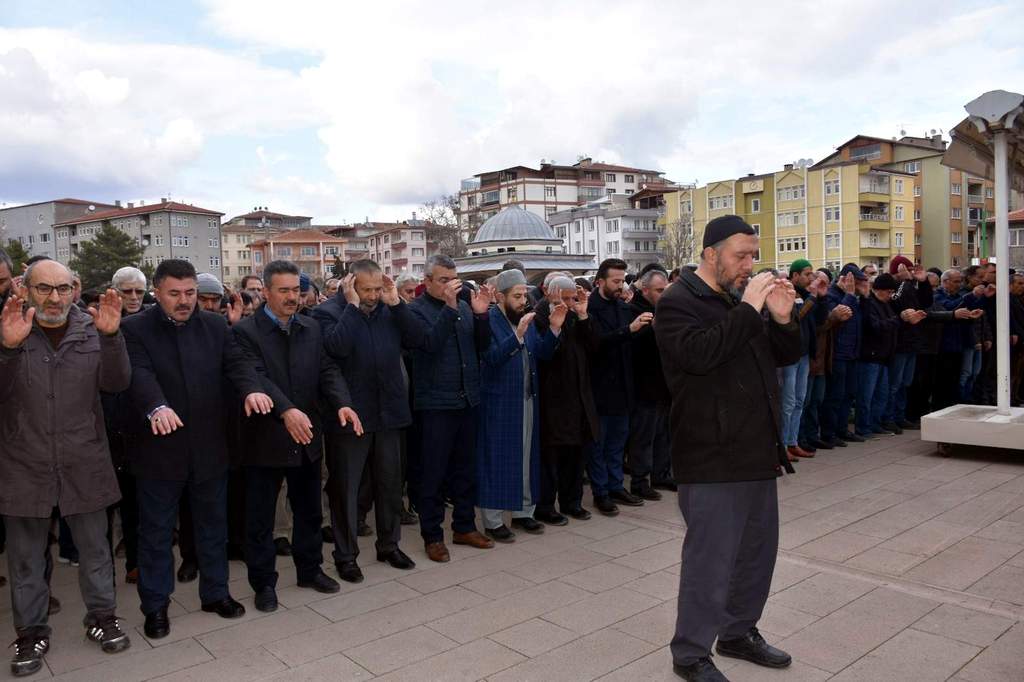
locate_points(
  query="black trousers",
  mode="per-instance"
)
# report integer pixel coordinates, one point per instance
(561, 477)
(732, 538)
(236, 508)
(262, 486)
(921, 396)
(650, 449)
(447, 462)
(128, 506)
(348, 456)
(947, 380)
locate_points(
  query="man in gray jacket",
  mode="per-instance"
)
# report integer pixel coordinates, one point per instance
(54, 361)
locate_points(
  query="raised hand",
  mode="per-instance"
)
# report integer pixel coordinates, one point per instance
(580, 306)
(107, 317)
(15, 324)
(641, 321)
(818, 287)
(234, 308)
(390, 292)
(298, 425)
(258, 403)
(557, 317)
(780, 299)
(920, 274)
(451, 293)
(848, 283)
(165, 421)
(627, 293)
(347, 415)
(758, 289)
(348, 288)
(842, 313)
(902, 273)
(524, 324)
(481, 300)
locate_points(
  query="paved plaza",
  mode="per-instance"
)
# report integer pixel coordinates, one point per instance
(895, 563)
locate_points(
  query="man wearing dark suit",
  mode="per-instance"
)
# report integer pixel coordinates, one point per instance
(179, 355)
(287, 351)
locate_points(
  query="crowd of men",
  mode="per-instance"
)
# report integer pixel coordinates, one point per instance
(188, 413)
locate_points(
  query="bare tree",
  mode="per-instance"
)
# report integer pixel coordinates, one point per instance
(679, 242)
(442, 218)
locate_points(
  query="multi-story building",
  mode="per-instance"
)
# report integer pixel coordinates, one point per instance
(242, 230)
(167, 229)
(400, 247)
(356, 236)
(547, 190)
(611, 227)
(32, 224)
(312, 250)
(262, 219)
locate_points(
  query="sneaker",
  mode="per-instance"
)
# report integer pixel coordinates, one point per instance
(892, 426)
(108, 634)
(28, 655)
(70, 560)
(882, 431)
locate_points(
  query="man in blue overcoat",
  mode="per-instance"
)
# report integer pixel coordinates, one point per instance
(508, 439)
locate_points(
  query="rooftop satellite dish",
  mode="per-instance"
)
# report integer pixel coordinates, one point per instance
(933, 131)
(92, 207)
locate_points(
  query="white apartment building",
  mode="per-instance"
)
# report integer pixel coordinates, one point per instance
(611, 228)
(400, 247)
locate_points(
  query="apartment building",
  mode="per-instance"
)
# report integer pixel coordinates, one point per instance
(356, 236)
(32, 224)
(400, 247)
(548, 189)
(166, 229)
(312, 250)
(611, 227)
(262, 219)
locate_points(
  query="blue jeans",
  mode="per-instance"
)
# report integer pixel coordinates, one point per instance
(840, 391)
(901, 376)
(970, 368)
(872, 396)
(810, 418)
(604, 458)
(794, 389)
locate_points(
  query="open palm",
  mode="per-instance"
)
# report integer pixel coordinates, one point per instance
(16, 325)
(107, 316)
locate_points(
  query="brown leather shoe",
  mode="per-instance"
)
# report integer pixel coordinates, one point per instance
(799, 451)
(473, 539)
(436, 551)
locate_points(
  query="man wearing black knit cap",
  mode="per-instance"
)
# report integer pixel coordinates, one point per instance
(720, 355)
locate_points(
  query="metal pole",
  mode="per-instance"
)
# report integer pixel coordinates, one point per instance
(1002, 238)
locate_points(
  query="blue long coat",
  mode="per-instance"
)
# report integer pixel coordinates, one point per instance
(499, 443)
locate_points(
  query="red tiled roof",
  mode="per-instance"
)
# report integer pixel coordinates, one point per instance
(302, 235)
(139, 210)
(269, 214)
(1014, 217)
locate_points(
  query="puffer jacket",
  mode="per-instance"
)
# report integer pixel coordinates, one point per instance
(846, 336)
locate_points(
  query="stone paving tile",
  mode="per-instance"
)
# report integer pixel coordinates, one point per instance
(627, 543)
(797, 672)
(456, 572)
(336, 667)
(661, 585)
(837, 546)
(142, 665)
(964, 563)
(275, 626)
(600, 610)
(980, 511)
(552, 566)
(783, 621)
(498, 585)
(400, 649)
(246, 665)
(583, 659)
(654, 625)
(789, 573)
(656, 558)
(602, 577)
(879, 560)
(822, 594)
(1000, 662)
(911, 655)
(534, 637)
(927, 539)
(599, 527)
(654, 667)
(372, 598)
(965, 625)
(1006, 583)
(467, 663)
(1003, 530)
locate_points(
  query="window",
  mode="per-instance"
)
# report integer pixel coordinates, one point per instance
(899, 240)
(513, 193)
(591, 224)
(757, 228)
(227, 271)
(956, 237)
(613, 247)
(897, 187)
(285, 251)
(899, 213)
(917, 215)
(989, 193)
(158, 240)
(576, 227)
(560, 231)
(628, 179)
(31, 239)
(214, 261)
(44, 237)
(954, 188)
(387, 255)
(719, 203)
(62, 234)
(243, 255)
(417, 252)
(790, 218)
(866, 152)
(787, 244)
(917, 240)
(791, 193)
(636, 245)
(63, 253)
(471, 200)
(755, 205)
(1017, 237)
(831, 187)
(213, 241)
(308, 251)
(211, 223)
(873, 239)
(417, 235)
(912, 166)
(832, 241)
(592, 245)
(549, 210)
(609, 177)
(831, 214)
(387, 239)
(612, 225)
(917, 190)
(579, 247)
(955, 214)
(685, 206)
(148, 260)
(610, 191)
(330, 250)
(549, 192)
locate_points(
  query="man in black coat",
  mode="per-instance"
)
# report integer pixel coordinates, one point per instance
(720, 357)
(179, 355)
(611, 370)
(366, 328)
(650, 457)
(287, 351)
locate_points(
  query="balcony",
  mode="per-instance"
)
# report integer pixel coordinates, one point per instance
(399, 262)
(975, 199)
(874, 220)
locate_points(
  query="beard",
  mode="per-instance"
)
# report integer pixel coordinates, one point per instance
(727, 284)
(515, 315)
(53, 318)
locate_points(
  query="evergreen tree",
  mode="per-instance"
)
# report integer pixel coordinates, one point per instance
(97, 260)
(18, 255)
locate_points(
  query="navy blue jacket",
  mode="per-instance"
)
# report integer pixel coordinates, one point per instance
(881, 324)
(446, 366)
(958, 335)
(847, 335)
(368, 348)
(810, 314)
(611, 368)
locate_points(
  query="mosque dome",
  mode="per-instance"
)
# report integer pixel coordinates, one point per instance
(514, 224)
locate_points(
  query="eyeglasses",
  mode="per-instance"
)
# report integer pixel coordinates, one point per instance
(47, 289)
(137, 292)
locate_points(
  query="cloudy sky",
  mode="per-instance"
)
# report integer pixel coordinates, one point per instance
(345, 110)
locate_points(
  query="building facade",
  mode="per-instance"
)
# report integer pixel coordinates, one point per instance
(400, 247)
(311, 250)
(167, 229)
(262, 219)
(611, 228)
(32, 224)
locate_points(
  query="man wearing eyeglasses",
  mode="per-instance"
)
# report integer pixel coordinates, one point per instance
(54, 361)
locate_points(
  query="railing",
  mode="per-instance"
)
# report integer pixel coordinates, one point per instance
(874, 187)
(975, 198)
(882, 217)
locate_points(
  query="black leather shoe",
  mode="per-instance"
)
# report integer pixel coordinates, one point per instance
(578, 513)
(892, 426)
(282, 547)
(327, 535)
(528, 525)
(627, 499)
(500, 534)
(606, 506)
(551, 518)
(363, 529)
(397, 559)
(322, 583)
(157, 624)
(819, 444)
(187, 572)
(752, 647)
(701, 671)
(667, 484)
(850, 437)
(225, 608)
(645, 491)
(349, 571)
(266, 599)
(908, 425)
(840, 443)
